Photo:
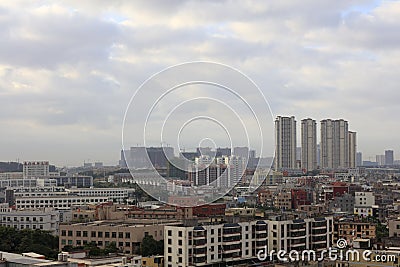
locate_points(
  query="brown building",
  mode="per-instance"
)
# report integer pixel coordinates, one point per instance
(127, 235)
(351, 230)
(283, 200)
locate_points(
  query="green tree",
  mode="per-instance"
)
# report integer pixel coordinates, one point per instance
(150, 246)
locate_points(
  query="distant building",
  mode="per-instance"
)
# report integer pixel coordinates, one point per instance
(78, 181)
(34, 169)
(359, 159)
(226, 151)
(389, 158)
(285, 143)
(352, 149)
(308, 144)
(334, 144)
(159, 156)
(380, 159)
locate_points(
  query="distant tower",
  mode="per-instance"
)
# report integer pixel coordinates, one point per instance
(352, 149)
(389, 159)
(285, 143)
(309, 144)
(334, 144)
(358, 159)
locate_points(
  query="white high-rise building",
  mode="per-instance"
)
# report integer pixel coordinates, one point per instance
(285, 143)
(334, 144)
(352, 149)
(309, 144)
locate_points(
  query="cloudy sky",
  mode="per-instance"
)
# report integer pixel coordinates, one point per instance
(68, 69)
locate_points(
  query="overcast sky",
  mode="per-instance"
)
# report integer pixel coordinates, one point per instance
(68, 69)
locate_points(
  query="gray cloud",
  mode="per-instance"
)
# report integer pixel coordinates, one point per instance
(68, 69)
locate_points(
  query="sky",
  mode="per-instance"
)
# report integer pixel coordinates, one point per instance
(68, 69)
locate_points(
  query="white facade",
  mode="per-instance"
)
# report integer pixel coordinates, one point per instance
(57, 202)
(35, 169)
(364, 203)
(237, 242)
(309, 144)
(285, 143)
(115, 194)
(47, 220)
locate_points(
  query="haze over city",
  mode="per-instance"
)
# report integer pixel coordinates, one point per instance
(69, 68)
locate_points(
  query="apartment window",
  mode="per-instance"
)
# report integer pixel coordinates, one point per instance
(100, 243)
(169, 258)
(93, 234)
(169, 241)
(179, 242)
(107, 234)
(69, 232)
(180, 233)
(120, 244)
(127, 244)
(169, 232)
(179, 251)
(169, 250)
(127, 235)
(120, 235)
(114, 234)
(85, 234)
(63, 233)
(78, 233)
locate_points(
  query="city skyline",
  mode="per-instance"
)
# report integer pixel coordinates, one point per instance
(64, 101)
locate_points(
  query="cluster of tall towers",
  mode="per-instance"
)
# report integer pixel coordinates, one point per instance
(338, 145)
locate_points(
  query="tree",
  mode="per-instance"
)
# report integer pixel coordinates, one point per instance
(151, 247)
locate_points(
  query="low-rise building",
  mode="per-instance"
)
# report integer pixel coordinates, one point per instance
(44, 219)
(58, 202)
(349, 230)
(127, 234)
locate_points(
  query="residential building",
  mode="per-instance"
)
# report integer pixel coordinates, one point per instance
(239, 243)
(285, 143)
(352, 149)
(349, 230)
(309, 144)
(389, 158)
(334, 144)
(364, 203)
(359, 159)
(283, 200)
